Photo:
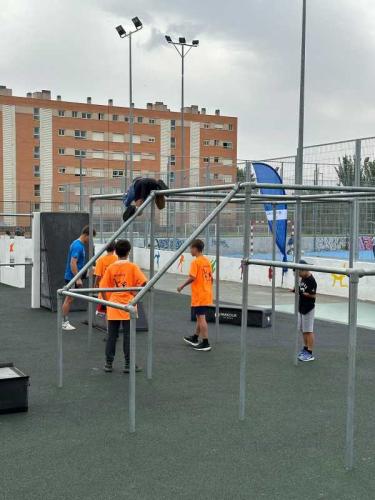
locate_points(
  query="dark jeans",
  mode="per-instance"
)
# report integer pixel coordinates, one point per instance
(113, 331)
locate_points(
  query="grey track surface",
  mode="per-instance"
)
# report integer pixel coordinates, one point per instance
(74, 444)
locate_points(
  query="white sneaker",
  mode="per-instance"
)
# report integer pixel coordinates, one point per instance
(67, 326)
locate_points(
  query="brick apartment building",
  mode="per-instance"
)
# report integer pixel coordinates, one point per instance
(42, 140)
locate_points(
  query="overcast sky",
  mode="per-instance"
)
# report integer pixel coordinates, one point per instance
(247, 63)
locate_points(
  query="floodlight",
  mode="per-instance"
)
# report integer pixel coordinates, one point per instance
(120, 30)
(182, 39)
(137, 23)
(168, 38)
(195, 42)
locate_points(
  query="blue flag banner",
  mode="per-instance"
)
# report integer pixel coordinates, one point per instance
(266, 174)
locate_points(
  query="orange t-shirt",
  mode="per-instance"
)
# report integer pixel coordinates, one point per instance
(103, 262)
(121, 274)
(201, 287)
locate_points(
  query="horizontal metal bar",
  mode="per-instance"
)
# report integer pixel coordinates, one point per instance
(198, 189)
(306, 267)
(107, 196)
(7, 214)
(123, 307)
(16, 264)
(302, 187)
(99, 290)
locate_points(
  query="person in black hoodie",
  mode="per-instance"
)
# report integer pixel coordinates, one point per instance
(138, 191)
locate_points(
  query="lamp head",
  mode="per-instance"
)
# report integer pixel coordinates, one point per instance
(120, 30)
(195, 43)
(168, 38)
(137, 23)
(182, 39)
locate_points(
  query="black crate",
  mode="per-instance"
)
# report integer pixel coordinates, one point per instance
(231, 314)
(14, 388)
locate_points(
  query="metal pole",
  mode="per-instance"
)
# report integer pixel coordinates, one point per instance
(273, 269)
(357, 182)
(182, 115)
(101, 218)
(91, 278)
(131, 118)
(207, 232)
(132, 374)
(245, 294)
(151, 321)
(80, 184)
(353, 237)
(59, 341)
(217, 284)
(353, 300)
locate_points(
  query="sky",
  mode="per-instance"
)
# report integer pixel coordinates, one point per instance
(247, 64)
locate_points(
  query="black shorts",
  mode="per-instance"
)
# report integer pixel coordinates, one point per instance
(199, 311)
(75, 284)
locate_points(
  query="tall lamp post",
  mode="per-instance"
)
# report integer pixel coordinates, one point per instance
(182, 48)
(123, 34)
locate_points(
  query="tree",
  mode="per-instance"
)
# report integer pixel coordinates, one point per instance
(346, 171)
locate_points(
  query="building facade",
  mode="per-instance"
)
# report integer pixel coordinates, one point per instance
(45, 143)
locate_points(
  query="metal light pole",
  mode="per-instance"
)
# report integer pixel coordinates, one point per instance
(80, 184)
(182, 48)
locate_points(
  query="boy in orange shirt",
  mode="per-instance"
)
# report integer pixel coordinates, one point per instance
(200, 278)
(100, 268)
(120, 274)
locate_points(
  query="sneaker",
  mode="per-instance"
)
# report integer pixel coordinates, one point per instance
(129, 212)
(108, 367)
(203, 346)
(67, 326)
(127, 368)
(193, 340)
(306, 356)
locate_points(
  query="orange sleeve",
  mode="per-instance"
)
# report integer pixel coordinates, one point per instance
(193, 269)
(99, 268)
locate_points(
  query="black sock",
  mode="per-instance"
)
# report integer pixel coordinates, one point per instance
(305, 348)
(308, 350)
(204, 341)
(195, 336)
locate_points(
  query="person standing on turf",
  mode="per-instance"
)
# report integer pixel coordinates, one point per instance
(306, 312)
(200, 279)
(139, 190)
(74, 263)
(120, 274)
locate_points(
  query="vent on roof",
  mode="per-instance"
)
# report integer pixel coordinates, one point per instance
(110, 102)
(89, 100)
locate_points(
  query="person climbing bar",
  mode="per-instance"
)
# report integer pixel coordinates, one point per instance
(139, 190)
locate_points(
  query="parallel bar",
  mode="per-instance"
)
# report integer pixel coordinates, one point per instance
(7, 214)
(273, 270)
(357, 182)
(353, 305)
(309, 267)
(10, 264)
(184, 246)
(90, 309)
(151, 319)
(60, 367)
(245, 293)
(132, 375)
(123, 307)
(99, 290)
(217, 283)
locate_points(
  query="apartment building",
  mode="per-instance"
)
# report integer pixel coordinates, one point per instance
(44, 141)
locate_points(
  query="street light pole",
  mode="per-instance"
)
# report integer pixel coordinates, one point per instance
(180, 47)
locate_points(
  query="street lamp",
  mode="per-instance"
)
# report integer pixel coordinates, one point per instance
(123, 34)
(183, 48)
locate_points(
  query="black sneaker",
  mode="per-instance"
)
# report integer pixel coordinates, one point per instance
(203, 346)
(127, 368)
(108, 367)
(129, 212)
(193, 340)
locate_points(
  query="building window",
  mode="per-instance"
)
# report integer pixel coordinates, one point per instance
(36, 113)
(61, 170)
(80, 153)
(80, 134)
(206, 125)
(173, 160)
(100, 116)
(61, 151)
(230, 126)
(206, 159)
(61, 131)
(117, 173)
(98, 136)
(206, 142)
(227, 145)
(36, 132)
(61, 189)
(36, 170)
(126, 119)
(216, 159)
(115, 118)
(86, 116)
(117, 138)
(216, 176)
(151, 121)
(74, 114)
(216, 142)
(172, 177)
(173, 124)
(36, 207)
(140, 119)
(61, 112)
(36, 189)
(36, 152)
(173, 142)
(151, 139)
(77, 172)
(98, 154)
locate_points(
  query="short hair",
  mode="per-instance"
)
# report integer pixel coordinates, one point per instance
(123, 248)
(198, 244)
(111, 246)
(86, 231)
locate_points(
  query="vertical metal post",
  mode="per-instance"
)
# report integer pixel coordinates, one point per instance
(80, 184)
(217, 284)
(273, 269)
(357, 182)
(91, 278)
(131, 126)
(353, 239)
(353, 300)
(59, 341)
(101, 218)
(182, 115)
(245, 294)
(151, 321)
(169, 208)
(132, 373)
(207, 231)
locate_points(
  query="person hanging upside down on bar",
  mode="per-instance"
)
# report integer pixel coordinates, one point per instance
(138, 191)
